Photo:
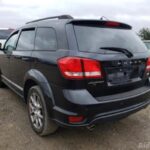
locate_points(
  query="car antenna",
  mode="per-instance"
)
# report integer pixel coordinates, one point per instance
(104, 18)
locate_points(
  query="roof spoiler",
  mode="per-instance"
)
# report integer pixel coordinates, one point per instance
(101, 23)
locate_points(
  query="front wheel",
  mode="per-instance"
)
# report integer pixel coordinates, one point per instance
(38, 114)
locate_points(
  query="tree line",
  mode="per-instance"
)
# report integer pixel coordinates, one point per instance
(144, 33)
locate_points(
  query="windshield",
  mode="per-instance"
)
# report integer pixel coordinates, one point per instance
(147, 45)
(4, 34)
(91, 39)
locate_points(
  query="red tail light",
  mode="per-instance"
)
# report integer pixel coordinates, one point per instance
(148, 65)
(79, 68)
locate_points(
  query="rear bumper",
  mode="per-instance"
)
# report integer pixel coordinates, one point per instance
(81, 103)
(109, 116)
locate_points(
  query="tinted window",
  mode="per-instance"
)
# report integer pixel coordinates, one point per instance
(91, 39)
(26, 40)
(11, 43)
(45, 39)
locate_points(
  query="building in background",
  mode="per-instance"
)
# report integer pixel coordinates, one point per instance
(4, 33)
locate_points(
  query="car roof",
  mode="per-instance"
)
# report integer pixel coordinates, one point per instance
(55, 22)
(47, 23)
(59, 22)
(62, 20)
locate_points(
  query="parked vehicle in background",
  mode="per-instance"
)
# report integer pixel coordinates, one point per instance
(75, 72)
(147, 43)
(4, 34)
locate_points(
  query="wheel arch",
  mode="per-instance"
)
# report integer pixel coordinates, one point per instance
(35, 77)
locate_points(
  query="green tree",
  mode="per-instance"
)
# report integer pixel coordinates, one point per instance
(144, 33)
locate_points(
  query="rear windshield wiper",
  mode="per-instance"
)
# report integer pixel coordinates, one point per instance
(117, 49)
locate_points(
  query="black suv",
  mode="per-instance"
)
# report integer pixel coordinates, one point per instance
(75, 72)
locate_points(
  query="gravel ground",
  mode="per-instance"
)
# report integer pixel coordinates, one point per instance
(132, 133)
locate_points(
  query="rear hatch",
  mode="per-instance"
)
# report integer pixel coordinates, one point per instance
(125, 70)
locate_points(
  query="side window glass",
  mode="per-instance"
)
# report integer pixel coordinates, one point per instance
(26, 40)
(45, 39)
(11, 43)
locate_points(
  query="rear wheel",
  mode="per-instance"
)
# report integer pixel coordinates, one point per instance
(38, 114)
(1, 84)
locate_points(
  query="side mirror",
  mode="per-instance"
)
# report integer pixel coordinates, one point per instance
(1, 47)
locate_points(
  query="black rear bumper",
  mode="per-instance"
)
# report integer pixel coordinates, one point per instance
(102, 108)
(109, 116)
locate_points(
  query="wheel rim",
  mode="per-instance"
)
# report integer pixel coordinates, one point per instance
(35, 110)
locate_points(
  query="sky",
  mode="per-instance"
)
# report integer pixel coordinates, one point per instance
(15, 13)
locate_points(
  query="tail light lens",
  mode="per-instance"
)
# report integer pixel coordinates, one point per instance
(112, 24)
(148, 65)
(79, 68)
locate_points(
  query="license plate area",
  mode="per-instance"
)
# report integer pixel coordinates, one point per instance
(125, 72)
(119, 75)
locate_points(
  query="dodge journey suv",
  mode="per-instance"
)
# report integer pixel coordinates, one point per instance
(75, 72)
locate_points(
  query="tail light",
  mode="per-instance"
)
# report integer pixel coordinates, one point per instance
(148, 65)
(79, 68)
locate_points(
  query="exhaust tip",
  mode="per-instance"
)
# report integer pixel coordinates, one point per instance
(91, 127)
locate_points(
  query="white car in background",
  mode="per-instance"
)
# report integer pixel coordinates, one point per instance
(4, 33)
(147, 43)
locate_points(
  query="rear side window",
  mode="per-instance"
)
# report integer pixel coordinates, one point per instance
(26, 40)
(93, 38)
(45, 39)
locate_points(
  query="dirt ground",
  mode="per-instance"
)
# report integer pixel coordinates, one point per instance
(131, 133)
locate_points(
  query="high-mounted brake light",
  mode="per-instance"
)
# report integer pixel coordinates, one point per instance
(112, 24)
(79, 68)
(148, 65)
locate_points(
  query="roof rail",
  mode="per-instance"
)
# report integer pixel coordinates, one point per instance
(54, 17)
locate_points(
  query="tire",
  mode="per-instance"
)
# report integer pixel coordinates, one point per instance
(2, 85)
(38, 114)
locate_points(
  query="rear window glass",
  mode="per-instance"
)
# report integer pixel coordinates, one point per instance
(4, 34)
(91, 39)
